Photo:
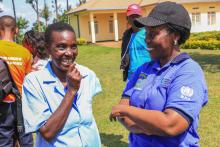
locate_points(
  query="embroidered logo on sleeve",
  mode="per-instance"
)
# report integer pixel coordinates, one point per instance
(186, 92)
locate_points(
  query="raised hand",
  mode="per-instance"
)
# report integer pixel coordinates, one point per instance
(73, 78)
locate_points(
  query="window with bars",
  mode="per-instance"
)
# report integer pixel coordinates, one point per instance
(111, 27)
(211, 18)
(196, 19)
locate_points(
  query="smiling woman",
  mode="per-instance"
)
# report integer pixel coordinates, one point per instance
(63, 51)
(162, 108)
(57, 101)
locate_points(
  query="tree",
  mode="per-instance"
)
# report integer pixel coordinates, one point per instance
(45, 13)
(82, 2)
(67, 5)
(56, 8)
(13, 3)
(22, 24)
(42, 27)
(1, 10)
(63, 17)
(34, 5)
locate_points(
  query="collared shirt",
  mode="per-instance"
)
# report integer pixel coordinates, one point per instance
(38, 63)
(180, 85)
(42, 95)
(137, 51)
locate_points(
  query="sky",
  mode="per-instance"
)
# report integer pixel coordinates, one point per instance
(26, 11)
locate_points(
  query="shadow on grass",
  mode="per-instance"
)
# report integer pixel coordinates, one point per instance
(112, 140)
(209, 62)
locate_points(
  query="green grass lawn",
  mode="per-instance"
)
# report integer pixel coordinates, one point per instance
(105, 62)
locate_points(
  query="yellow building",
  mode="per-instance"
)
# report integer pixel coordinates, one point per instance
(103, 20)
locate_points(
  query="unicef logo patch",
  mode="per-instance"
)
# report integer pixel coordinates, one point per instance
(186, 92)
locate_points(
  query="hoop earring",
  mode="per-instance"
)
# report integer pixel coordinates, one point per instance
(175, 43)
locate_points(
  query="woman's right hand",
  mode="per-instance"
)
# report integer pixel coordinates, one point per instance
(73, 78)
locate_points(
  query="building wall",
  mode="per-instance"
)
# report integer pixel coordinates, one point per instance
(73, 23)
(103, 17)
(122, 24)
(203, 9)
(103, 21)
(84, 29)
(103, 25)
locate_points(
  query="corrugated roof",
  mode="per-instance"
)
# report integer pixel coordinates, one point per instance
(104, 5)
(123, 4)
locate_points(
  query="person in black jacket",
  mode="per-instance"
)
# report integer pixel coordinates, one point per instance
(134, 49)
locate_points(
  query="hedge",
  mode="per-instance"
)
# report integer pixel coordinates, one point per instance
(203, 40)
(211, 35)
(81, 41)
(202, 44)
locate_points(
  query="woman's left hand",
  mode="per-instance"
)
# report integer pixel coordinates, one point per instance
(118, 111)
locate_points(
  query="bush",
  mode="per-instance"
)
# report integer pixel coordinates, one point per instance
(211, 35)
(202, 44)
(203, 40)
(81, 41)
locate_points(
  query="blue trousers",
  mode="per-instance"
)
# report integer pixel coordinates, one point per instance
(8, 128)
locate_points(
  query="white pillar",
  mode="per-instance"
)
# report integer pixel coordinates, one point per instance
(92, 27)
(116, 26)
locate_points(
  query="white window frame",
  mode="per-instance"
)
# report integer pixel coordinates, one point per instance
(211, 18)
(196, 18)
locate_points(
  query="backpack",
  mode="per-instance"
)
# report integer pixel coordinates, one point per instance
(8, 86)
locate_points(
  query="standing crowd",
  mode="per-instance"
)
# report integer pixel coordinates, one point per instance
(160, 104)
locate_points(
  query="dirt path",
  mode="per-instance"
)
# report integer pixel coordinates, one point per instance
(113, 44)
